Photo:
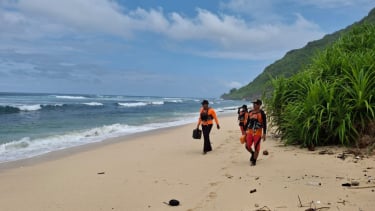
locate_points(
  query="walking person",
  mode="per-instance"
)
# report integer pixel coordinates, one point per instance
(256, 130)
(206, 118)
(242, 118)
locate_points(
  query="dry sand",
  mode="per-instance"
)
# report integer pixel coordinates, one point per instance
(143, 171)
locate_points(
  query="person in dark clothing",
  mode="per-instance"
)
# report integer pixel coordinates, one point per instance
(206, 118)
(242, 118)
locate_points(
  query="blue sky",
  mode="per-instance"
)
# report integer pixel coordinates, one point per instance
(192, 48)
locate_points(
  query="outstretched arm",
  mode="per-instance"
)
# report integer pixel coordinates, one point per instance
(199, 119)
(264, 118)
(216, 119)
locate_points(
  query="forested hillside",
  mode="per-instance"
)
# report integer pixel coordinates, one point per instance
(293, 62)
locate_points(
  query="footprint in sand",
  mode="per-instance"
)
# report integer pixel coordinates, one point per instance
(212, 195)
(228, 176)
(214, 183)
(234, 162)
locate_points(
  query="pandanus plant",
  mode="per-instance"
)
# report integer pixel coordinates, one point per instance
(333, 100)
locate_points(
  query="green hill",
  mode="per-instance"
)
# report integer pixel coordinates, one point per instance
(294, 61)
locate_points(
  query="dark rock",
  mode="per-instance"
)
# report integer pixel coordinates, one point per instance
(311, 148)
(174, 202)
(346, 184)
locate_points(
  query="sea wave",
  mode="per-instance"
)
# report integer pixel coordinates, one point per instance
(173, 100)
(136, 104)
(70, 97)
(29, 107)
(8, 109)
(27, 147)
(157, 103)
(93, 104)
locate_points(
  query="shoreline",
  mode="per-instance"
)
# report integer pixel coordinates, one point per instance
(59, 154)
(143, 171)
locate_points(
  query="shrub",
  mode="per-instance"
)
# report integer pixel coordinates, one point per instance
(331, 101)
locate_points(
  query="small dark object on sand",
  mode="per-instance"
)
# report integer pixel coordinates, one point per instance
(265, 152)
(311, 147)
(101, 172)
(323, 152)
(173, 202)
(346, 184)
(341, 156)
(253, 191)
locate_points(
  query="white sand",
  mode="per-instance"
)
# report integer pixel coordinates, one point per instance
(141, 172)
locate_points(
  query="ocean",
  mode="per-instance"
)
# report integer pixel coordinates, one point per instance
(35, 124)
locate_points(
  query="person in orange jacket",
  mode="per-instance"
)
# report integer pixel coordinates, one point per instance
(206, 118)
(242, 118)
(256, 130)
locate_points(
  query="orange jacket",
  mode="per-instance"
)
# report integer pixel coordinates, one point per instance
(207, 117)
(257, 123)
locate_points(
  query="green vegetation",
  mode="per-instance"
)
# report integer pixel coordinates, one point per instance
(332, 101)
(293, 62)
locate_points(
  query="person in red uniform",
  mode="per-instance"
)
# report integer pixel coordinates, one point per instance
(206, 118)
(256, 130)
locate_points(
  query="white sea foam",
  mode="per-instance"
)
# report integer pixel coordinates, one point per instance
(230, 108)
(173, 100)
(29, 107)
(70, 97)
(137, 104)
(27, 148)
(157, 103)
(93, 104)
(132, 104)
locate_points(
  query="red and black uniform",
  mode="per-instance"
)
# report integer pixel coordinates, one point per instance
(256, 127)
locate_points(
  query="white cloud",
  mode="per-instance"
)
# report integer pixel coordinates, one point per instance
(226, 35)
(152, 20)
(237, 39)
(233, 84)
(96, 15)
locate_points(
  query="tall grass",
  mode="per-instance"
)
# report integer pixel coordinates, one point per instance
(332, 100)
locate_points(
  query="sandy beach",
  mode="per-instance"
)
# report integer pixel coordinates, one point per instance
(143, 171)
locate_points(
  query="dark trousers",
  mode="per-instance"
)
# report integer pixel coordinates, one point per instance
(206, 129)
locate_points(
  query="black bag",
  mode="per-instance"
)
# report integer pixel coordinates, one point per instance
(197, 133)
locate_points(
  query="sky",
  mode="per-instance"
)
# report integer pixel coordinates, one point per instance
(186, 48)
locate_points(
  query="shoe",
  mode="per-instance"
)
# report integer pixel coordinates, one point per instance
(253, 163)
(252, 156)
